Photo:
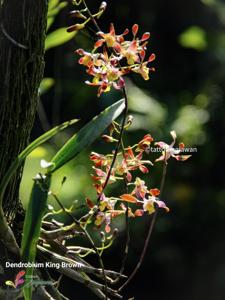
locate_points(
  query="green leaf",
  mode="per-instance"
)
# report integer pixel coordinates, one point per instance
(32, 226)
(54, 10)
(50, 21)
(46, 84)
(58, 37)
(54, 7)
(87, 135)
(20, 159)
(52, 4)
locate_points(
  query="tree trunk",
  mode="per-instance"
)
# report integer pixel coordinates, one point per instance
(22, 34)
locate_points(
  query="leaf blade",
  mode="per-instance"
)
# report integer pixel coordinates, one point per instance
(31, 228)
(87, 135)
(58, 37)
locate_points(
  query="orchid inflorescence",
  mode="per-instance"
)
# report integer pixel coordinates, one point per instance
(113, 57)
(143, 199)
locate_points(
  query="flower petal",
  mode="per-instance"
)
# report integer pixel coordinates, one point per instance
(128, 198)
(151, 57)
(139, 212)
(154, 192)
(145, 36)
(135, 29)
(90, 204)
(181, 146)
(20, 274)
(107, 228)
(19, 282)
(174, 136)
(129, 177)
(161, 158)
(181, 157)
(162, 145)
(161, 204)
(143, 169)
(98, 43)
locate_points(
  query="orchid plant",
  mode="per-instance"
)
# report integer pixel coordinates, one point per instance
(112, 57)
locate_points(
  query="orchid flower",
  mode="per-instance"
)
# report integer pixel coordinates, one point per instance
(169, 151)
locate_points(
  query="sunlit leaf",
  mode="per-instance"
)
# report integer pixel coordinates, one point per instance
(54, 7)
(52, 4)
(58, 37)
(87, 135)
(31, 228)
(46, 84)
(50, 21)
(39, 152)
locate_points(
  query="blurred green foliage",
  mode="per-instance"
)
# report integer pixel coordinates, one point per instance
(194, 37)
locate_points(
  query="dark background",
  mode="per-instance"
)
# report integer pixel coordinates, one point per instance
(186, 256)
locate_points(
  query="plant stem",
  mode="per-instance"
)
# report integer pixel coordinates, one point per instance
(91, 16)
(150, 230)
(117, 145)
(126, 249)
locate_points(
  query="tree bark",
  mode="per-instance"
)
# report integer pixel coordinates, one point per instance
(22, 35)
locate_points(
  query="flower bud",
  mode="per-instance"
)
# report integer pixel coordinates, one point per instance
(111, 128)
(75, 27)
(77, 14)
(130, 119)
(102, 235)
(101, 9)
(115, 232)
(103, 6)
(109, 139)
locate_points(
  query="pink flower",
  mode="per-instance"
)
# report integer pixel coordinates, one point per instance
(149, 203)
(169, 151)
(142, 196)
(140, 189)
(101, 175)
(106, 203)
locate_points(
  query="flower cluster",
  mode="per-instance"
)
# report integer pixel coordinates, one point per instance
(142, 199)
(113, 57)
(141, 195)
(129, 162)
